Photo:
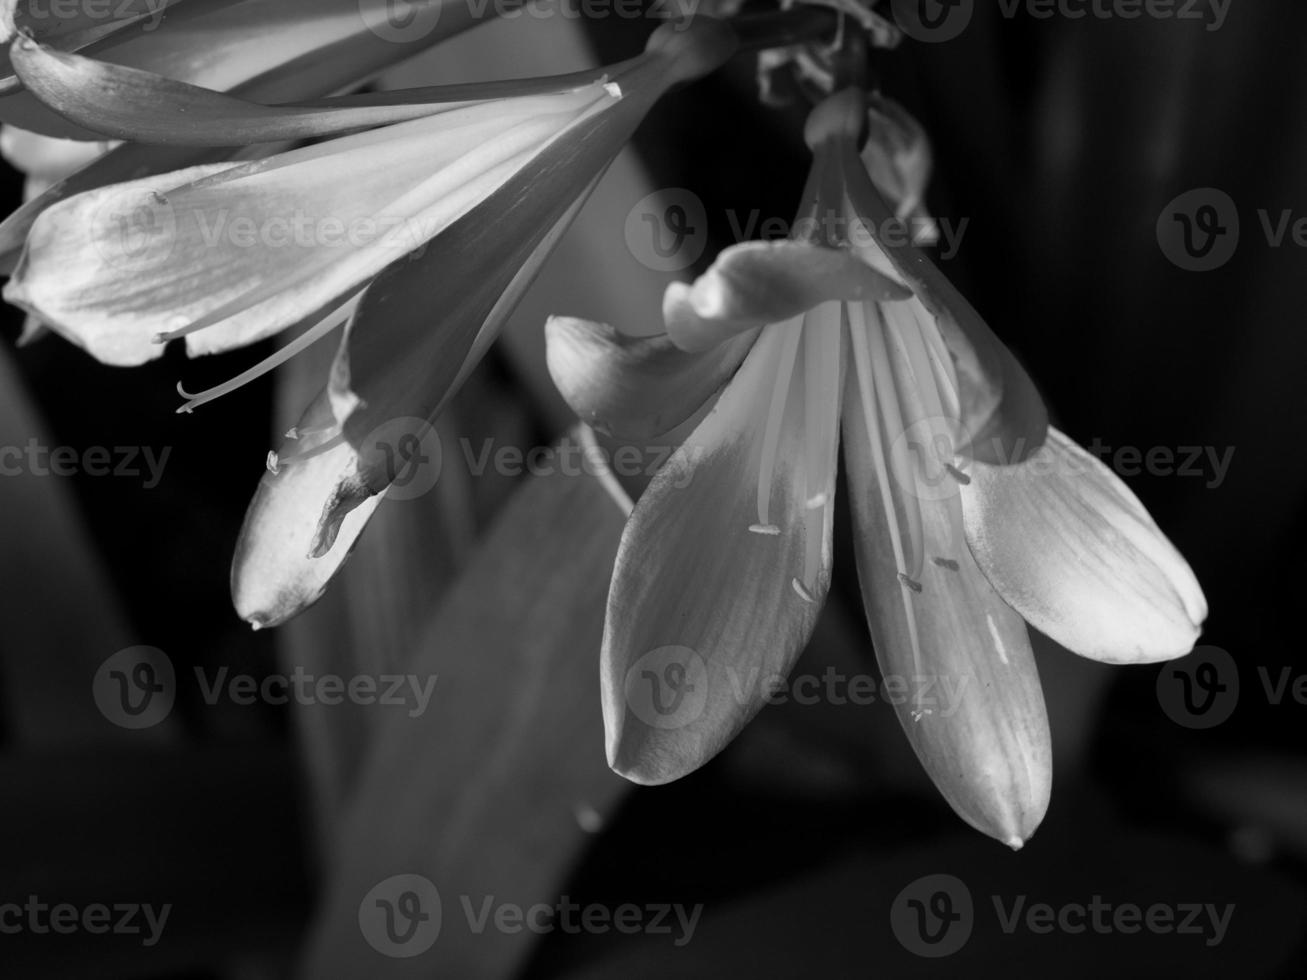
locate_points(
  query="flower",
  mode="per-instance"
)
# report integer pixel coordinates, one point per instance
(478, 183)
(260, 49)
(972, 516)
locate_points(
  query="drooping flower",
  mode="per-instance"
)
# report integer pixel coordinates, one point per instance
(422, 258)
(972, 516)
(262, 50)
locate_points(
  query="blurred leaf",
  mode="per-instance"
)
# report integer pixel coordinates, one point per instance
(486, 792)
(62, 618)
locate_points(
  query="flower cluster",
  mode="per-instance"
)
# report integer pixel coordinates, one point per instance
(197, 177)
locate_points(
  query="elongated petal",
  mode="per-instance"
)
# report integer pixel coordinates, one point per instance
(1001, 408)
(299, 529)
(634, 387)
(129, 103)
(1074, 551)
(229, 256)
(46, 160)
(74, 25)
(756, 283)
(959, 656)
(723, 565)
(282, 46)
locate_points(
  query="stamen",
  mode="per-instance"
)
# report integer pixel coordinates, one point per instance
(948, 563)
(767, 529)
(911, 583)
(799, 590)
(957, 474)
(304, 340)
(858, 330)
(790, 337)
(888, 397)
(822, 395)
(996, 637)
(246, 300)
(273, 462)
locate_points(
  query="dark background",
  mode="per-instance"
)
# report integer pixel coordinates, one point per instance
(1062, 142)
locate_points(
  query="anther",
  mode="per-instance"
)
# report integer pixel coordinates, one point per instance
(948, 563)
(767, 529)
(800, 591)
(912, 584)
(957, 474)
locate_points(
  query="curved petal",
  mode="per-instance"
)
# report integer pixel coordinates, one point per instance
(725, 562)
(132, 104)
(304, 519)
(1001, 407)
(970, 703)
(1074, 551)
(290, 49)
(634, 387)
(228, 256)
(75, 25)
(756, 283)
(45, 159)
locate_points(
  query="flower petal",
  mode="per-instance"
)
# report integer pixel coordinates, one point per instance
(230, 255)
(756, 283)
(301, 525)
(972, 705)
(1001, 408)
(72, 26)
(290, 49)
(132, 104)
(724, 563)
(634, 387)
(1074, 551)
